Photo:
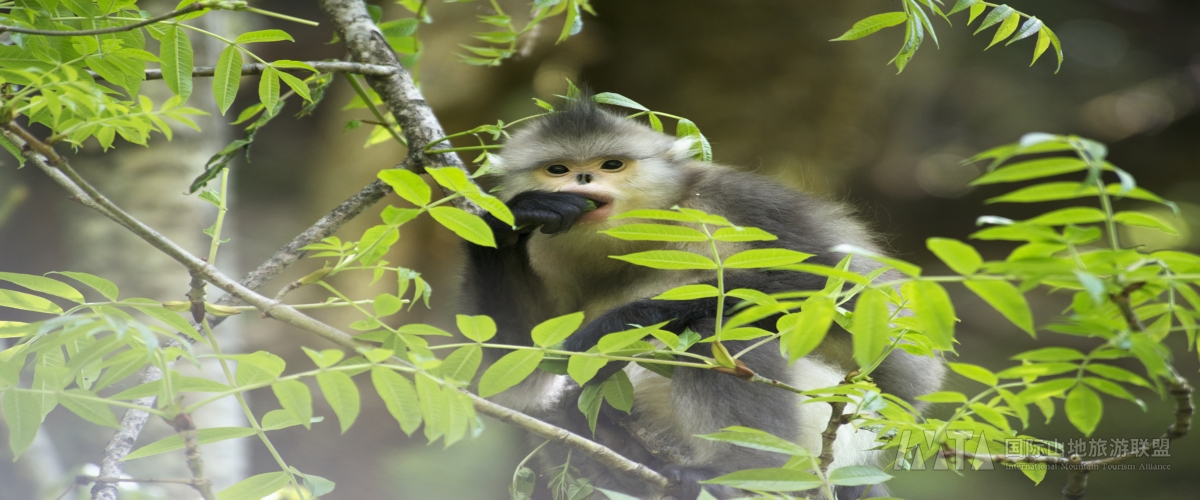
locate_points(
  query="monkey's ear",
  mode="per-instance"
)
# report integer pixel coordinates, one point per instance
(682, 148)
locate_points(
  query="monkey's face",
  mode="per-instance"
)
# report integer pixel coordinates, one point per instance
(602, 180)
(617, 163)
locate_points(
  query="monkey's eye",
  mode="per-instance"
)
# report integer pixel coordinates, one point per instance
(557, 169)
(612, 165)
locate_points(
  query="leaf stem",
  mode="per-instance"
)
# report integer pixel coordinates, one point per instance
(262, 435)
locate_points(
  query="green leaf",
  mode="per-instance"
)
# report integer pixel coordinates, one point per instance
(555, 330)
(477, 328)
(975, 372)
(272, 35)
(618, 391)
(324, 358)
(461, 365)
(944, 397)
(998, 14)
(1073, 215)
(386, 304)
(278, 419)
(175, 54)
(180, 384)
(22, 416)
(857, 475)
(1119, 374)
(768, 480)
(1113, 389)
(466, 225)
(1049, 191)
(1008, 27)
(702, 148)
(803, 331)
(105, 287)
(295, 399)
(1084, 409)
(408, 185)
(268, 88)
(297, 85)
(872, 24)
(508, 371)
(399, 396)
(656, 215)
(227, 77)
(961, 5)
(1043, 43)
(934, 311)
(590, 401)
(1031, 26)
(1050, 354)
(257, 367)
(1141, 219)
(423, 329)
(172, 319)
(27, 302)
(1032, 169)
(1006, 299)
(655, 232)
(740, 234)
(668, 259)
(756, 439)
(759, 258)
(582, 368)
(960, 257)
(44, 285)
(1037, 370)
(342, 395)
(976, 10)
(689, 292)
(618, 100)
(1057, 45)
(92, 411)
(203, 436)
(256, 487)
(1046, 389)
(435, 407)
(899, 265)
(869, 326)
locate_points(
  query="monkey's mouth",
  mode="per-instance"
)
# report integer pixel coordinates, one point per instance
(604, 207)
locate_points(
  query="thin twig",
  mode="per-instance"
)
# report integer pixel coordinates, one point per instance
(81, 479)
(258, 68)
(114, 29)
(288, 315)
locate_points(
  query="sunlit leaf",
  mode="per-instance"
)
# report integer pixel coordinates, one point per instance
(872, 24)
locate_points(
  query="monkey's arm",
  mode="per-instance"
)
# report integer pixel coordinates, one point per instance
(901, 373)
(682, 314)
(500, 281)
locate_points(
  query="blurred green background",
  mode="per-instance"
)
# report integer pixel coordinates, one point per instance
(774, 96)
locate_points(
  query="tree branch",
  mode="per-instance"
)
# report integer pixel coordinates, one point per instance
(258, 68)
(186, 428)
(73, 182)
(366, 44)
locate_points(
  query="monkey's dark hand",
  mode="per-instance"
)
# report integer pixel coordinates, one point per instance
(554, 212)
(688, 481)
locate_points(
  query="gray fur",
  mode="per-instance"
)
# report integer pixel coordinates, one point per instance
(552, 274)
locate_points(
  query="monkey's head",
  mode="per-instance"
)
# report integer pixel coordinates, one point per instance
(616, 162)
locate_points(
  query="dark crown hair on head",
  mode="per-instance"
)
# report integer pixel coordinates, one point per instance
(580, 117)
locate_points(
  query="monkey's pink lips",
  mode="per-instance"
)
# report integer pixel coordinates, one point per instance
(604, 208)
